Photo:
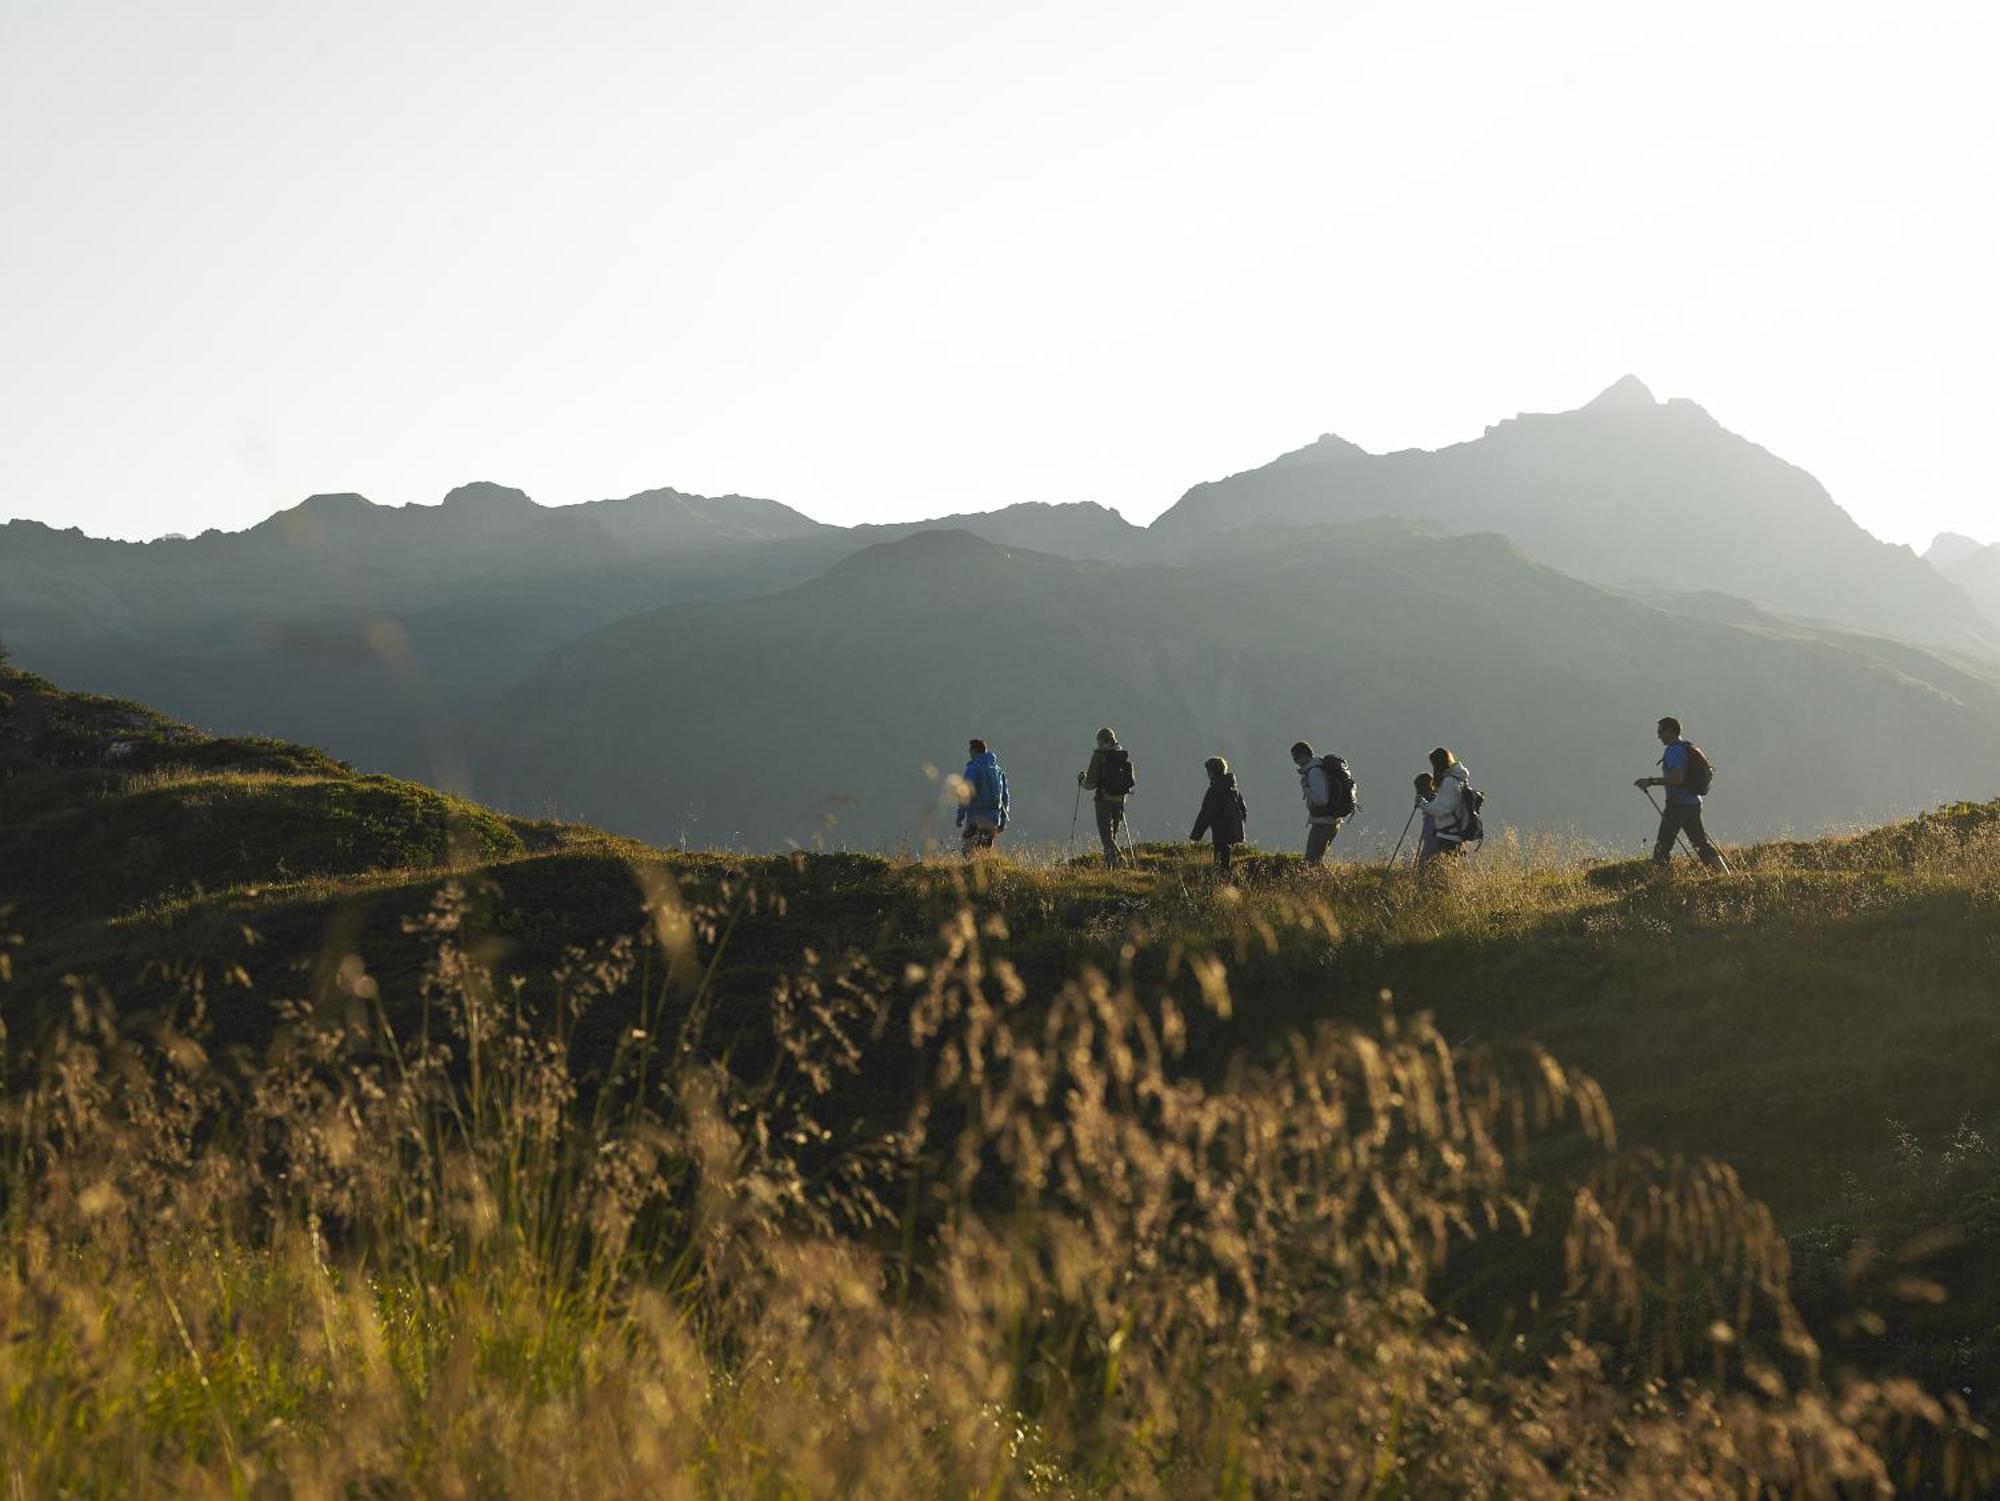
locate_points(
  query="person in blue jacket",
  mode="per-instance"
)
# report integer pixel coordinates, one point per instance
(983, 802)
(1683, 813)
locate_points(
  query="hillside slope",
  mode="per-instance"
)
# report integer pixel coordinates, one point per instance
(813, 714)
(1822, 1019)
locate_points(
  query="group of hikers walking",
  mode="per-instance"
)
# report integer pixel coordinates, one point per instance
(1450, 806)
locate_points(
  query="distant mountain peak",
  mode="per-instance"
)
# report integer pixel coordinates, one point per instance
(1089, 508)
(335, 503)
(1326, 448)
(485, 497)
(1627, 393)
(1949, 549)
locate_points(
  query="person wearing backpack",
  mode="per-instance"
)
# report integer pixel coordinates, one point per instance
(983, 802)
(1451, 810)
(1223, 812)
(1426, 787)
(1109, 779)
(1687, 776)
(1328, 788)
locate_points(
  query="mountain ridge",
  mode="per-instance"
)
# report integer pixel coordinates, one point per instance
(1625, 490)
(391, 633)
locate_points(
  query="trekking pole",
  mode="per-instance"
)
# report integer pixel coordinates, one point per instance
(1404, 835)
(1680, 832)
(1131, 848)
(1075, 809)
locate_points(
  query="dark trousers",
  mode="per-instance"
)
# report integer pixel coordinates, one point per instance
(1222, 852)
(1319, 837)
(1110, 819)
(979, 833)
(1684, 818)
(1434, 848)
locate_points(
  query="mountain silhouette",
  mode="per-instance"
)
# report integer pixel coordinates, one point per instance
(1626, 491)
(400, 636)
(1972, 566)
(1076, 530)
(1949, 549)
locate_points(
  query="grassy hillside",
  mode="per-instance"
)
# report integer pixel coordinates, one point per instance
(506, 1156)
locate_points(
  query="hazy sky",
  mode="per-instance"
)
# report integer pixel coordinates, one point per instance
(891, 259)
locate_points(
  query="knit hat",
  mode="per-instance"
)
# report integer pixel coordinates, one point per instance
(1107, 736)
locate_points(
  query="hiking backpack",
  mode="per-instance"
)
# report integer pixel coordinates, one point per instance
(1342, 795)
(1700, 773)
(1117, 778)
(1471, 825)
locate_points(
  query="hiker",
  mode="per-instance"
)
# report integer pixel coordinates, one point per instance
(1449, 810)
(1685, 775)
(1426, 789)
(1328, 789)
(1223, 812)
(1109, 779)
(983, 802)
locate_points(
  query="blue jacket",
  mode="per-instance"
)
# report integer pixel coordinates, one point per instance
(989, 789)
(1676, 759)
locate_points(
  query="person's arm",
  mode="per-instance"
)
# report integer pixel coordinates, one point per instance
(1674, 768)
(1206, 816)
(1087, 778)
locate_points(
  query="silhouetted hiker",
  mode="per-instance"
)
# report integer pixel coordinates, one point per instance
(1223, 812)
(1686, 776)
(1328, 788)
(1426, 787)
(1449, 810)
(1110, 780)
(982, 813)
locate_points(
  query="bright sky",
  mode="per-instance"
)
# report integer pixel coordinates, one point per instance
(881, 260)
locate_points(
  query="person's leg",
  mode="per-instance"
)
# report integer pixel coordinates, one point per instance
(1698, 836)
(1437, 857)
(1318, 837)
(1221, 854)
(1670, 829)
(1109, 816)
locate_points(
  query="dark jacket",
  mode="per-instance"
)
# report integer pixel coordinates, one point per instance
(1222, 811)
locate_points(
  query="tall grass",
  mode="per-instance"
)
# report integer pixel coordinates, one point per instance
(925, 1232)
